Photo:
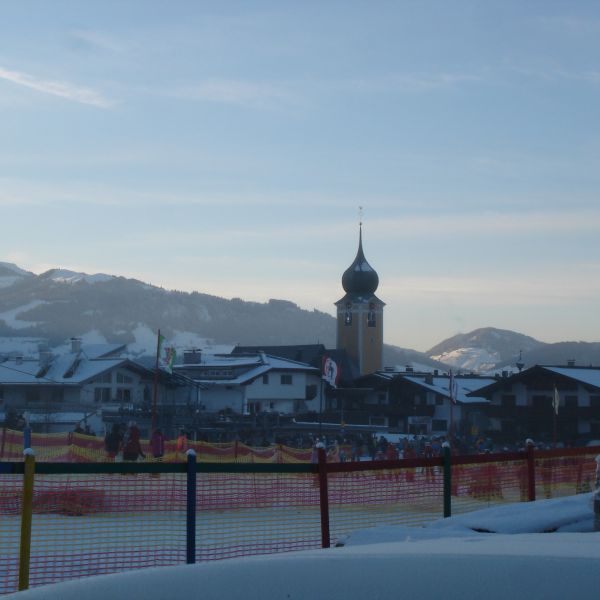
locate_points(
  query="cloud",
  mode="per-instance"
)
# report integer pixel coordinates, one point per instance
(241, 93)
(97, 40)
(57, 88)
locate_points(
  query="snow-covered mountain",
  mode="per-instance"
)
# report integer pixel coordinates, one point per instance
(489, 350)
(59, 304)
(10, 273)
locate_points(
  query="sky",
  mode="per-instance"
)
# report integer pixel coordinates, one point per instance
(226, 147)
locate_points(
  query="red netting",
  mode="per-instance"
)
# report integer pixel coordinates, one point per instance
(11, 493)
(93, 524)
(388, 496)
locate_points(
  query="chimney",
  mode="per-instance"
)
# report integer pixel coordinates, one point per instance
(505, 374)
(435, 372)
(19, 359)
(429, 379)
(75, 345)
(192, 357)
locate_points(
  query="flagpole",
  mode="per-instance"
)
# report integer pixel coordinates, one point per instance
(155, 385)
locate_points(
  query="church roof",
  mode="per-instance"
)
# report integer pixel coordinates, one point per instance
(360, 279)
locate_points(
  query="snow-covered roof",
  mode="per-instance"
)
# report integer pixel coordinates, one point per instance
(69, 369)
(258, 365)
(464, 386)
(589, 376)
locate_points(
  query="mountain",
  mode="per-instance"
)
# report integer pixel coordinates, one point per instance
(488, 350)
(60, 304)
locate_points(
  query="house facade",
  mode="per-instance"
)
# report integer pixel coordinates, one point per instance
(552, 403)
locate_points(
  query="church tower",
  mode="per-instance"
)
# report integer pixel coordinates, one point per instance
(360, 314)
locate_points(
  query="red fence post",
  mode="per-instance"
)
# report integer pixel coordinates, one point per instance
(324, 499)
(530, 450)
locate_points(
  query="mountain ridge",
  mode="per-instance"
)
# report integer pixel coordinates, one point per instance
(59, 304)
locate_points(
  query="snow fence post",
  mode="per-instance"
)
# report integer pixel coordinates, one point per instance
(530, 451)
(26, 516)
(323, 498)
(191, 508)
(596, 496)
(447, 456)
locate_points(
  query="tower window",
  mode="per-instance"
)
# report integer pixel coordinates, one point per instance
(348, 318)
(371, 315)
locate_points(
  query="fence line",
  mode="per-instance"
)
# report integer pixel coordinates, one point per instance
(77, 447)
(80, 519)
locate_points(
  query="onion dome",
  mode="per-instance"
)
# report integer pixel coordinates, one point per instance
(360, 278)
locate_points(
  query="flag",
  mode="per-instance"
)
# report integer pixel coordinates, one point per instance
(161, 339)
(331, 371)
(556, 400)
(170, 355)
(452, 388)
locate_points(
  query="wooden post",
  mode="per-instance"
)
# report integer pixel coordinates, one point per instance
(26, 517)
(191, 508)
(447, 480)
(324, 499)
(530, 450)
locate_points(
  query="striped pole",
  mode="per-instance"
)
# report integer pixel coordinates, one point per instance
(324, 499)
(191, 508)
(26, 516)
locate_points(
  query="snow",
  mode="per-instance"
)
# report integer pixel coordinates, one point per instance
(66, 276)
(447, 558)
(470, 359)
(10, 316)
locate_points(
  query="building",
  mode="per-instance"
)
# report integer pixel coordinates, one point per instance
(56, 393)
(419, 402)
(360, 315)
(546, 403)
(250, 384)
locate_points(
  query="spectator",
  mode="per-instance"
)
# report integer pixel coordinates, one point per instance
(132, 448)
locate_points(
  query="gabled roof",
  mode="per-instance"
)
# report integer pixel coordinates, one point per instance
(466, 387)
(68, 369)
(584, 375)
(257, 365)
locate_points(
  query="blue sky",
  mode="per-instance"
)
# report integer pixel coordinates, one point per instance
(225, 147)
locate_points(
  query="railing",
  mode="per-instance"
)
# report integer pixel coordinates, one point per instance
(69, 520)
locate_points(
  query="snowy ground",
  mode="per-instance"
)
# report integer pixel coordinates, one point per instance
(451, 558)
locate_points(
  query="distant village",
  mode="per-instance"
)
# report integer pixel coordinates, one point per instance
(293, 394)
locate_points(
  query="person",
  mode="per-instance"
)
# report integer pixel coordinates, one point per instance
(132, 448)
(112, 441)
(157, 444)
(181, 443)
(78, 429)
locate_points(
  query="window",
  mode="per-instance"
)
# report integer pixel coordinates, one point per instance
(265, 379)
(571, 402)
(348, 318)
(101, 395)
(286, 380)
(123, 394)
(121, 378)
(439, 425)
(104, 378)
(595, 401)
(439, 399)
(508, 401)
(32, 396)
(371, 315)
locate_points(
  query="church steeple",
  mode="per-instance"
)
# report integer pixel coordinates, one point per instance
(360, 314)
(360, 278)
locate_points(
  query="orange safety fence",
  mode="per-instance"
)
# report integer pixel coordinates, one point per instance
(76, 447)
(100, 518)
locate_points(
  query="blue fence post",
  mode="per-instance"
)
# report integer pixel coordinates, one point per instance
(447, 480)
(191, 508)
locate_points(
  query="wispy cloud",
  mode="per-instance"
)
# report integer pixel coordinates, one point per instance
(61, 89)
(97, 40)
(411, 82)
(238, 92)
